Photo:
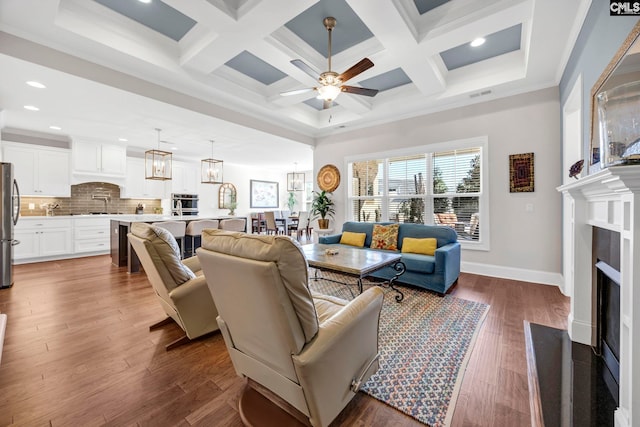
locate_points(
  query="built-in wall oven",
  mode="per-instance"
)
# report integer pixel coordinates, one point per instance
(184, 204)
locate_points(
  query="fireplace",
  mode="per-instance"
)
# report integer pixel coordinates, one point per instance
(606, 253)
(607, 200)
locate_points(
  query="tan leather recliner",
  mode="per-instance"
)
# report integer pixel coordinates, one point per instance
(313, 351)
(179, 284)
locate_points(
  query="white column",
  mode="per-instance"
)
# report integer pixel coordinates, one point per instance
(582, 326)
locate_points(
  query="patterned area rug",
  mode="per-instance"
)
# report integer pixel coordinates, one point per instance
(425, 343)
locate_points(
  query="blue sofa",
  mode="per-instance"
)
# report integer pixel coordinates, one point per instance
(436, 273)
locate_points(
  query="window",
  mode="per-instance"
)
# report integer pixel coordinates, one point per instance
(440, 184)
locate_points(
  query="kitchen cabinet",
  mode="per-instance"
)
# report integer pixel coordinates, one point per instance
(99, 159)
(39, 170)
(136, 186)
(42, 238)
(184, 177)
(91, 234)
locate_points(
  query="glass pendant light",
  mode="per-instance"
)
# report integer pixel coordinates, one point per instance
(157, 163)
(211, 170)
(295, 180)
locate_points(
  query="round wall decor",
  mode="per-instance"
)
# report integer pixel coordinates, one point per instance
(328, 178)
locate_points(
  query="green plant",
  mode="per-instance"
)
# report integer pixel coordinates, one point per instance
(292, 201)
(322, 205)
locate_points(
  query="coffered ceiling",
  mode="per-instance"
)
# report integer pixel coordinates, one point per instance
(215, 69)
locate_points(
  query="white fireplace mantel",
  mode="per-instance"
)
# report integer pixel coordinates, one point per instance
(607, 199)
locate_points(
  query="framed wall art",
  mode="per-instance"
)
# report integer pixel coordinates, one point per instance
(521, 173)
(264, 194)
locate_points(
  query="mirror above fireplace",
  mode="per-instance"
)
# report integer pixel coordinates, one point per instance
(615, 102)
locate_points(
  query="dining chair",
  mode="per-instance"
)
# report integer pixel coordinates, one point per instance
(271, 225)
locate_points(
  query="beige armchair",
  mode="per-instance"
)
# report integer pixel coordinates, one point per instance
(312, 351)
(180, 285)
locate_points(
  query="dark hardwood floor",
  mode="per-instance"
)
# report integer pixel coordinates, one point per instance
(78, 352)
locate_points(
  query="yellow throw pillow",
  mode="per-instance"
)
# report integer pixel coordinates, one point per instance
(353, 239)
(426, 246)
(385, 237)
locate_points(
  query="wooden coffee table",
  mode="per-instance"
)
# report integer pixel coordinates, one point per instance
(355, 262)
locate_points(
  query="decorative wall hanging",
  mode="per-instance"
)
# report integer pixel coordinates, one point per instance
(328, 178)
(521, 173)
(264, 194)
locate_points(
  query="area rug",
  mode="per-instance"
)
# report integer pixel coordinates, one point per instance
(425, 342)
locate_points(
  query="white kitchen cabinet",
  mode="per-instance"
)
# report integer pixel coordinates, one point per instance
(39, 170)
(99, 159)
(42, 238)
(136, 186)
(185, 177)
(91, 234)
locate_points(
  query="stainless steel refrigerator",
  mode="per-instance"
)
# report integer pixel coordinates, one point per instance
(9, 214)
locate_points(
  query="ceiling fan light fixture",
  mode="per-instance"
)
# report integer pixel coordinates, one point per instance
(328, 93)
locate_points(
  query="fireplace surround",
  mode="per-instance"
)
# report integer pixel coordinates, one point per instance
(610, 200)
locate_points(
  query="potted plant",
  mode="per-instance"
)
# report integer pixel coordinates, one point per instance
(291, 202)
(322, 205)
(232, 205)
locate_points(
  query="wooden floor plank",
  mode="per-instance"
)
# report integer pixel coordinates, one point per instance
(78, 351)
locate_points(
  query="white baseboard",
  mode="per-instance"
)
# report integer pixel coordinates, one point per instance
(3, 325)
(521, 274)
(579, 331)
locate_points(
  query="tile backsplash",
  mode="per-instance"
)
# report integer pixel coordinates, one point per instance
(87, 198)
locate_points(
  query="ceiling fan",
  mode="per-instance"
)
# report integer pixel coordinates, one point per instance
(331, 83)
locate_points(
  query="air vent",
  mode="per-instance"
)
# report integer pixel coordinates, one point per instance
(483, 93)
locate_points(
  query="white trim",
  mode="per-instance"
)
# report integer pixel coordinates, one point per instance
(3, 326)
(579, 331)
(457, 144)
(512, 273)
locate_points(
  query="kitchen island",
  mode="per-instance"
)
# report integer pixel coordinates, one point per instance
(122, 253)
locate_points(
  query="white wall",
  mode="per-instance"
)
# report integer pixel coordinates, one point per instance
(240, 177)
(524, 245)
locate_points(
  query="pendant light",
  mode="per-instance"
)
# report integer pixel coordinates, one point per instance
(211, 170)
(157, 163)
(295, 180)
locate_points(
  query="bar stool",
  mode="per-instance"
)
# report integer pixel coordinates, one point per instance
(233, 224)
(177, 229)
(194, 229)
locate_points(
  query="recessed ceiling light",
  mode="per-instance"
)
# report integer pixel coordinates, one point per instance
(174, 148)
(31, 108)
(144, 1)
(36, 84)
(55, 127)
(477, 42)
(123, 139)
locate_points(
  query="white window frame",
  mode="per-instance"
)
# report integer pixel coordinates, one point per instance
(481, 142)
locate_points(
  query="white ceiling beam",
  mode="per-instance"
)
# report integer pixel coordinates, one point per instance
(263, 19)
(399, 42)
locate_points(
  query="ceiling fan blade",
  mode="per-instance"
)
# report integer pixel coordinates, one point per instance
(360, 67)
(306, 68)
(297, 91)
(359, 90)
(327, 104)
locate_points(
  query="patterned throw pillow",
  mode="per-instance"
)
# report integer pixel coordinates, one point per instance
(385, 237)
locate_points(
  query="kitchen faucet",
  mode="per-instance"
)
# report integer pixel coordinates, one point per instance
(105, 199)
